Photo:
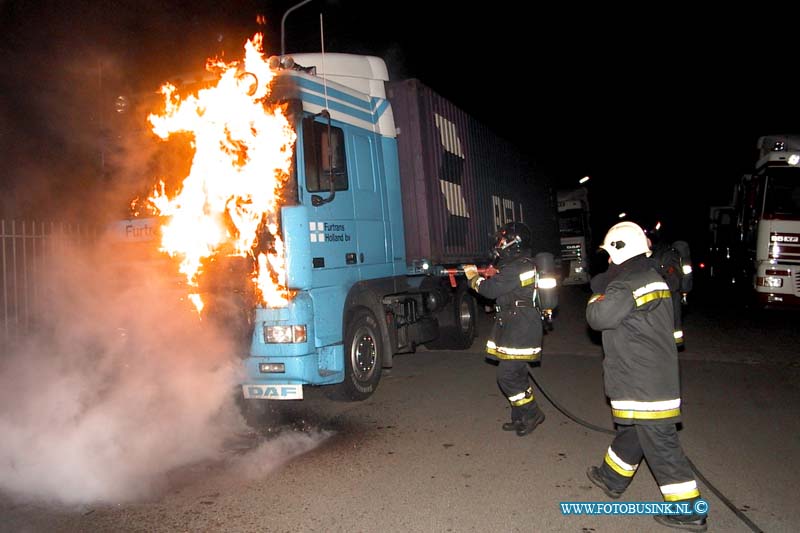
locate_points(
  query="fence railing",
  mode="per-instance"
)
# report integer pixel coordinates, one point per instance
(28, 249)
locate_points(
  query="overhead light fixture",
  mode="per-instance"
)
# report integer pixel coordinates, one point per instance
(583, 179)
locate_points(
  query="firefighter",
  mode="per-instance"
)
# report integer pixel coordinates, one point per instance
(516, 337)
(672, 261)
(632, 307)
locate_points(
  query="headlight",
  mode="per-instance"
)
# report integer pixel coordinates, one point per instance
(284, 334)
(547, 283)
(687, 269)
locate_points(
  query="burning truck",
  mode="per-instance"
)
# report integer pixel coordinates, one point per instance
(336, 205)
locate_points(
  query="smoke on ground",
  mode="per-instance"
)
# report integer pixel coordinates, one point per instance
(257, 462)
(119, 384)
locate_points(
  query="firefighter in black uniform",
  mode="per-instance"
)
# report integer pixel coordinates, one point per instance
(674, 263)
(516, 337)
(632, 307)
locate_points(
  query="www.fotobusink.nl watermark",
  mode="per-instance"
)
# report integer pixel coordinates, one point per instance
(634, 508)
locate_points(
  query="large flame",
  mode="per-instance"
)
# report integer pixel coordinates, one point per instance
(228, 204)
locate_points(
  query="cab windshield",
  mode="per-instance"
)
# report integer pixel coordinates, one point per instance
(572, 223)
(782, 198)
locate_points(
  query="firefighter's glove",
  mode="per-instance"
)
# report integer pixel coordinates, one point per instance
(471, 272)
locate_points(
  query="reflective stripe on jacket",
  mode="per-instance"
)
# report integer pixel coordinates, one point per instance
(640, 365)
(517, 330)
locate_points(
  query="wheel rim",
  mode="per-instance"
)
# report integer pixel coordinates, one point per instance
(464, 315)
(363, 354)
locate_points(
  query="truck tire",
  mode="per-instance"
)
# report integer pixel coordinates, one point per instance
(363, 358)
(457, 323)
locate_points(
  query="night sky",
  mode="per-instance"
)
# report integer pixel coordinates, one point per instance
(661, 107)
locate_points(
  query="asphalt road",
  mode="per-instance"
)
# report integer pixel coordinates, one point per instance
(426, 453)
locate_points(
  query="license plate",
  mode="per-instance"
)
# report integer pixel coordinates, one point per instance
(273, 392)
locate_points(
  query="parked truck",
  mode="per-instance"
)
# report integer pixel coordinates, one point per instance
(756, 240)
(392, 188)
(575, 235)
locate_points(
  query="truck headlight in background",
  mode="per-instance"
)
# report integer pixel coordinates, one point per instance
(285, 334)
(769, 281)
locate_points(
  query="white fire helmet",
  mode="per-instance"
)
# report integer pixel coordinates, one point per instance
(625, 240)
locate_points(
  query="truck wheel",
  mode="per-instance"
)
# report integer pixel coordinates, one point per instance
(457, 323)
(363, 358)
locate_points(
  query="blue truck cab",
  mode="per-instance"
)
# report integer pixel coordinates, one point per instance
(344, 236)
(355, 203)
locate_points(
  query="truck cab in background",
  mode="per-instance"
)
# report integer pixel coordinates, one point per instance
(757, 239)
(575, 235)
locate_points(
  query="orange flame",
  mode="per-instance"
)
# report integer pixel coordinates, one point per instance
(242, 158)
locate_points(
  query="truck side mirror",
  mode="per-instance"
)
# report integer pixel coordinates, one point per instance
(317, 200)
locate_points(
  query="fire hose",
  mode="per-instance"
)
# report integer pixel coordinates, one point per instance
(739, 514)
(490, 271)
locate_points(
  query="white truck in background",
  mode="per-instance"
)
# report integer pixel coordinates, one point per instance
(575, 235)
(755, 242)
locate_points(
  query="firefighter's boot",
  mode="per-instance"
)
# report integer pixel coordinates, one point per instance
(512, 426)
(687, 522)
(529, 422)
(596, 476)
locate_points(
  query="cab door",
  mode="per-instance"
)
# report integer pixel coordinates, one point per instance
(369, 207)
(346, 222)
(329, 195)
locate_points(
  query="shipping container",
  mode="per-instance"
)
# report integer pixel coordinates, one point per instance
(461, 181)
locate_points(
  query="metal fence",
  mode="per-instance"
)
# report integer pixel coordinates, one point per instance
(28, 249)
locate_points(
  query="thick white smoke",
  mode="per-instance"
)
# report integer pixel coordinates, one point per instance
(119, 384)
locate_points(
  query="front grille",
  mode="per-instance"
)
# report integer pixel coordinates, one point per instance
(570, 251)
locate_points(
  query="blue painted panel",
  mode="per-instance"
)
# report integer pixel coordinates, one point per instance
(394, 201)
(304, 363)
(329, 307)
(368, 202)
(298, 370)
(294, 223)
(299, 311)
